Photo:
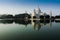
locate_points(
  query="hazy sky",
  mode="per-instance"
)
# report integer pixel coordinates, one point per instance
(20, 6)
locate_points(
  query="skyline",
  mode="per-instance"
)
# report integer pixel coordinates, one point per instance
(20, 6)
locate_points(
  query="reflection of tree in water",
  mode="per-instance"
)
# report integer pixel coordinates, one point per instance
(22, 22)
(6, 21)
(16, 21)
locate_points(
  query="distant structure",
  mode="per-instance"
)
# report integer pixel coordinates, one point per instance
(36, 13)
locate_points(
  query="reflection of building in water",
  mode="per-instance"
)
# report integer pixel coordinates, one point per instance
(32, 23)
(50, 24)
(37, 24)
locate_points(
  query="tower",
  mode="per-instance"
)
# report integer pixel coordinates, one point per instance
(50, 14)
(34, 12)
(38, 12)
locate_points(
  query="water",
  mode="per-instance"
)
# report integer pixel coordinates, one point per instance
(26, 30)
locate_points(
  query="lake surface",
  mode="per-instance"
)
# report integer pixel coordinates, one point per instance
(29, 30)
